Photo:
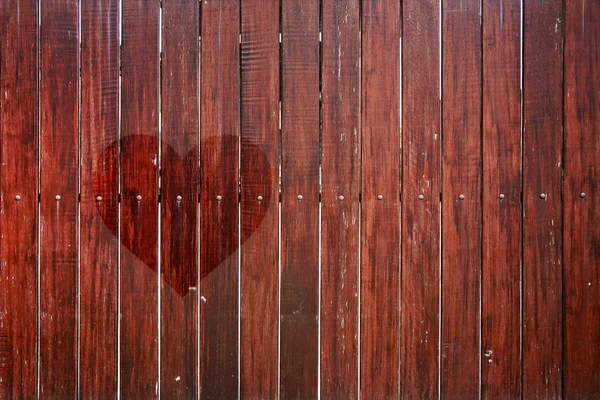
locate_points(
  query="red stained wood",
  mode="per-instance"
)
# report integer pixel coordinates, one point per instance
(300, 216)
(259, 218)
(380, 236)
(139, 215)
(18, 218)
(501, 269)
(340, 215)
(421, 133)
(58, 230)
(542, 218)
(99, 219)
(179, 195)
(581, 367)
(461, 219)
(220, 95)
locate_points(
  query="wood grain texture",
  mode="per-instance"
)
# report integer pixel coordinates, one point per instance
(581, 364)
(139, 215)
(259, 218)
(220, 95)
(179, 196)
(461, 219)
(99, 217)
(421, 134)
(18, 218)
(501, 269)
(340, 215)
(58, 220)
(542, 218)
(299, 297)
(380, 236)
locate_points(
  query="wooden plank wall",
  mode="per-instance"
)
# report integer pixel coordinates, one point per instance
(299, 199)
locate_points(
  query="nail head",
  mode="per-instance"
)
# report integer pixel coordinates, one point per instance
(57, 197)
(380, 197)
(543, 196)
(582, 195)
(219, 197)
(341, 198)
(17, 197)
(260, 198)
(461, 197)
(99, 198)
(139, 197)
(300, 197)
(179, 198)
(501, 196)
(421, 197)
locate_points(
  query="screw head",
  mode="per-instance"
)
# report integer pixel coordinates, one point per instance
(57, 197)
(139, 197)
(341, 198)
(179, 198)
(17, 197)
(380, 197)
(461, 197)
(582, 195)
(501, 196)
(421, 197)
(98, 198)
(259, 198)
(543, 196)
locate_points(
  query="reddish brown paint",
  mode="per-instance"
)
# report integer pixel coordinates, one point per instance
(501, 268)
(99, 216)
(18, 218)
(380, 235)
(340, 202)
(421, 134)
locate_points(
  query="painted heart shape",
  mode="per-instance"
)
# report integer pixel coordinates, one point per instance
(179, 277)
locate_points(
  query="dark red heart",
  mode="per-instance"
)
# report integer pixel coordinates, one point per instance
(179, 270)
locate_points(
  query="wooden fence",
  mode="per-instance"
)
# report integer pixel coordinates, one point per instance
(300, 198)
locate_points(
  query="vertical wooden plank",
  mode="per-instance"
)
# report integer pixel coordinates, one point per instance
(220, 114)
(99, 199)
(501, 269)
(461, 198)
(59, 198)
(419, 358)
(582, 201)
(380, 236)
(259, 218)
(542, 217)
(299, 305)
(139, 199)
(341, 190)
(179, 196)
(18, 215)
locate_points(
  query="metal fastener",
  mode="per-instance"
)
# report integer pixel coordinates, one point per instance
(380, 197)
(421, 197)
(179, 198)
(57, 197)
(341, 198)
(259, 198)
(543, 196)
(99, 198)
(501, 196)
(219, 197)
(139, 197)
(461, 197)
(17, 197)
(582, 195)
(300, 197)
